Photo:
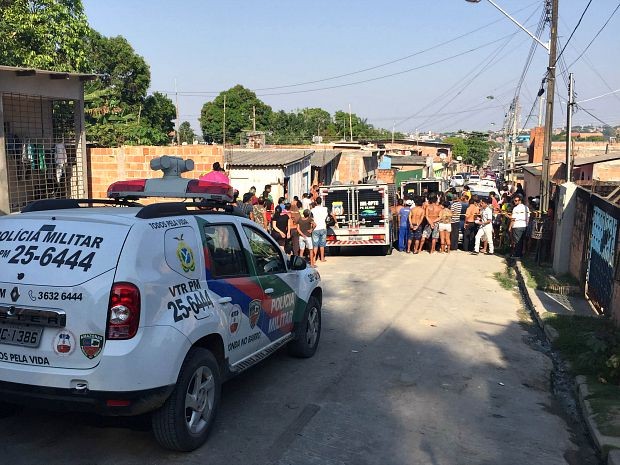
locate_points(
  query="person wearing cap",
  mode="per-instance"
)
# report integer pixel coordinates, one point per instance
(518, 224)
(403, 227)
(485, 226)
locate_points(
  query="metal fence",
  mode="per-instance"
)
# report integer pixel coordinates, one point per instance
(596, 246)
(43, 151)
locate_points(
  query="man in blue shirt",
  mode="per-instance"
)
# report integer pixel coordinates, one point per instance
(403, 226)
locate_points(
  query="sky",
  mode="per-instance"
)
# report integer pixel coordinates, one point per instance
(416, 65)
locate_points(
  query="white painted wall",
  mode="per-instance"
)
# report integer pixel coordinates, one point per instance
(298, 184)
(244, 178)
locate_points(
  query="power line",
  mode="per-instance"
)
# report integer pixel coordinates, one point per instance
(574, 30)
(426, 65)
(371, 68)
(593, 116)
(596, 35)
(599, 96)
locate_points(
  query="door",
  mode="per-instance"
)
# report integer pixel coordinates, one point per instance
(279, 301)
(235, 289)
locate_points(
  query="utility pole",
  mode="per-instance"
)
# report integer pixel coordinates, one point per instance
(224, 129)
(254, 118)
(513, 145)
(544, 190)
(393, 129)
(507, 122)
(177, 111)
(569, 128)
(350, 123)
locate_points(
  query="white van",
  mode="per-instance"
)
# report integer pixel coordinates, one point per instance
(121, 309)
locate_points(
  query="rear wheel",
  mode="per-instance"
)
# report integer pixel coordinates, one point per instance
(307, 331)
(184, 421)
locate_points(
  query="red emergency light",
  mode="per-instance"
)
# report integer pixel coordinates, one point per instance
(172, 188)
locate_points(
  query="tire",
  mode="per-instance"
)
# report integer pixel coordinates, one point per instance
(307, 331)
(184, 421)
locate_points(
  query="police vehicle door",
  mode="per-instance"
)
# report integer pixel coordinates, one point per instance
(237, 291)
(278, 284)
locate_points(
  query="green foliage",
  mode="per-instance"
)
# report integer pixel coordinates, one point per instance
(122, 70)
(459, 148)
(186, 133)
(239, 112)
(477, 149)
(117, 108)
(592, 345)
(159, 111)
(44, 34)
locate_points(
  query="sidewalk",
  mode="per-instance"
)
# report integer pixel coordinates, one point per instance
(541, 303)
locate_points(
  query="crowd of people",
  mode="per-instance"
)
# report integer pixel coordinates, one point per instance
(435, 221)
(299, 226)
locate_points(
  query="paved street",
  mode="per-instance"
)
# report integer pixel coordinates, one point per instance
(422, 361)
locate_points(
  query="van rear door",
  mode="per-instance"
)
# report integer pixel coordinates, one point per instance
(56, 273)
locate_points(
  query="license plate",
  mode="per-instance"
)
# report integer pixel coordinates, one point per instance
(17, 335)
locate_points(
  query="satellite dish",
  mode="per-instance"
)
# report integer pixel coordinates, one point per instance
(459, 158)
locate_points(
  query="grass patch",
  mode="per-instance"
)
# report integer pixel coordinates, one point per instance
(605, 402)
(507, 279)
(592, 346)
(542, 277)
(583, 341)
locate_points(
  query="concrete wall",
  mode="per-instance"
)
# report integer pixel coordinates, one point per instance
(107, 165)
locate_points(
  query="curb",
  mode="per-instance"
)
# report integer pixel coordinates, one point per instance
(533, 303)
(605, 444)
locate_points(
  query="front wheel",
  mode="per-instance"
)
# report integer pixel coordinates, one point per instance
(184, 421)
(307, 331)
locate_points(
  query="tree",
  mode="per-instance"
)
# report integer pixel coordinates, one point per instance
(240, 105)
(477, 149)
(122, 70)
(45, 34)
(186, 133)
(158, 112)
(459, 147)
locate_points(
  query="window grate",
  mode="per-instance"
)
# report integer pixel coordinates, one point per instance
(43, 149)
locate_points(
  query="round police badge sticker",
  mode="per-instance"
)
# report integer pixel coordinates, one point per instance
(64, 342)
(235, 318)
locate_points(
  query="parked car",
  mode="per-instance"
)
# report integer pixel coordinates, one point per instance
(122, 309)
(457, 181)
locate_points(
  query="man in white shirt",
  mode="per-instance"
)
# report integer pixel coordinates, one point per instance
(485, 227)
(305, 201)
(518, 225)
(319, 235)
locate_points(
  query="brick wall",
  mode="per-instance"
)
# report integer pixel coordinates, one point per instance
(107, 165)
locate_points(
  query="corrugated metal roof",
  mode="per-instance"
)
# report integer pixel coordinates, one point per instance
(55, 74)
(324, 157)
(580, 161)
(268, 157)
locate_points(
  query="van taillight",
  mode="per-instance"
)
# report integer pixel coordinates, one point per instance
(123, 311)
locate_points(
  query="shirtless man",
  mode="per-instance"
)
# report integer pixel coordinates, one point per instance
(432, 228)
(416, 218)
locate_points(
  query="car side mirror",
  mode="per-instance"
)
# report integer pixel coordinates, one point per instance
(298, 263)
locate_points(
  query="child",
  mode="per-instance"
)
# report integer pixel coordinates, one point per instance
(305, 226)
(445, 227)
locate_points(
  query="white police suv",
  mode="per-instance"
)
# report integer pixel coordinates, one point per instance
(117, 308)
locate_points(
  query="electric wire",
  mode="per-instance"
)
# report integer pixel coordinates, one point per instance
(574, 30)
(595, 35)
(599, 96)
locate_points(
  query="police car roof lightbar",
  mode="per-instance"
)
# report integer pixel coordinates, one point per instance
(172, 185)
